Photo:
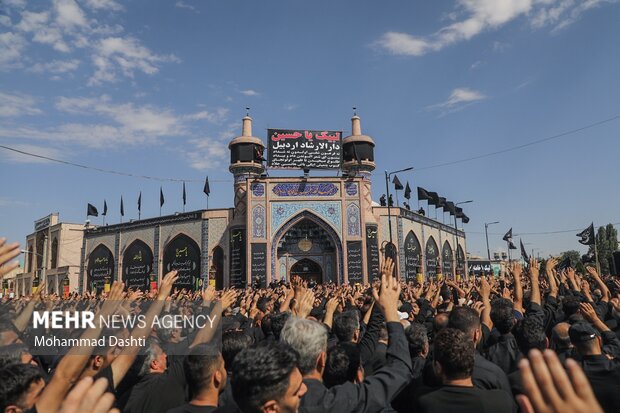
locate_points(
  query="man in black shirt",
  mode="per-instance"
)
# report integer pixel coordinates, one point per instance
(603, 373)
(454, 363)
(206, 378)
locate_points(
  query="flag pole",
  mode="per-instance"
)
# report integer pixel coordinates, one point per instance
(509, 257)
(598, 265)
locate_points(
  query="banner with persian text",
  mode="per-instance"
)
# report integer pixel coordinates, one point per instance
(304, 149)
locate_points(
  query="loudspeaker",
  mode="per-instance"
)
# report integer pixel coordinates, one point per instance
(616, 263)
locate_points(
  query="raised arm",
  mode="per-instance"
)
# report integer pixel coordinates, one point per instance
(597, 278)
(485, 293)
(72, 364)
(516, 270)
(534, 280)
(553, 285)
(121, 364)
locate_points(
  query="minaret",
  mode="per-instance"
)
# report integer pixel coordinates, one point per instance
(246, 161)
(358, 151)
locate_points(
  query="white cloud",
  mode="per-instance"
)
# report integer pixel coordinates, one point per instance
(459, 99)
(55, 66)
(11, 47)
(68, 14)
(126, 53)
(7, 202)
(216, 116)
(5, 20)
(133, 120)
(103, 5)
(476, 64)
(484, 15)
(182, 5)
(16, 157)
(17, 105)
(207, 153)
(290, 106)
(249, 92)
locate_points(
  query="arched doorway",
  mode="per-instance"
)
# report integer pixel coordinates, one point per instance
(413, 251)
(218, 263)
(306, 236)
(308, 270)
(447, 258)
(183, 255)
(137, 266)
(100, 268)
(432, 258)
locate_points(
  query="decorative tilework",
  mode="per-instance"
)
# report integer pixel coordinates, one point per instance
(258, 190)
(353, 220)
(305, 189)
(258, 222)
(350, 188)
(330, 211)
(204, 252)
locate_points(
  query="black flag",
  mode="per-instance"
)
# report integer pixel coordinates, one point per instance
(465, 219)
(511, 245)
(508, 236)
(423, 195)
(357, 157)
(122, 208)
(397, 185)
(408, 191)
(442, 202)
(587, 235)
(105, 208)
(161, 197)
(140, 202)
(184, 195)
(450, 207)
(433, 199)
(91, 210)
(206, 189)
(524, 252)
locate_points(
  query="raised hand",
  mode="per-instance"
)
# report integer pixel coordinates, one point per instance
(515, 269)
(7, 253)
(89, 396)
(387, 295)
(592, 271)
(166, 285)
(208, 294)
(228, 298)
(588, 312)
(548, 389)
(534, 268)
(550, 265)
(305, 304)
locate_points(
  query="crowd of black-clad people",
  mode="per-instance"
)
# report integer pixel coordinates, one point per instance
(531, 340)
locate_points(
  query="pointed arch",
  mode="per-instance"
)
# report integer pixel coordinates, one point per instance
(100, 267)
(460, 261)
(182, 254)
(432, 257)
(305, 214)
(218, 262)
(137, 265)
(413, 253)
(447, 258)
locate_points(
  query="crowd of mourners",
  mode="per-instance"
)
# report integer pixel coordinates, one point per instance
(532, 340)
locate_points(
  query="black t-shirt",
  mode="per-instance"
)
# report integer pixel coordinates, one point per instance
(190, 408)
(159, 392)
(465, 400)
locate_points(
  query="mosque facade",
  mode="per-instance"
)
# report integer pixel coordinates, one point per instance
(323, 229)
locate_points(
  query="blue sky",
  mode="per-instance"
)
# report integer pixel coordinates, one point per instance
(158, 88)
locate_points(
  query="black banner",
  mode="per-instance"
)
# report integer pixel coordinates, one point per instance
(237, 258)
(432, 255)
(137, 266)
(447, 260)
(412, 257)
(100, 267)
(304, 149)
(183, 255)
(372, 252)
(354, 262)
(259, 265)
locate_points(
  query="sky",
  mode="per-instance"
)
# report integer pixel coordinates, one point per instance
(158, 88)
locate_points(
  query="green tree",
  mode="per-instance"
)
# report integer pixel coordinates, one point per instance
(606, 244)
(575, 260)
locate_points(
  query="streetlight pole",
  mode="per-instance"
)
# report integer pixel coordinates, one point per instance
(456, 240)
(387, 190)
(486, 233)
